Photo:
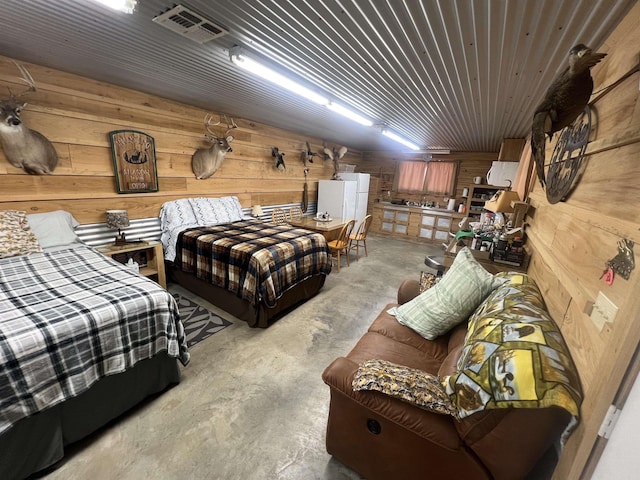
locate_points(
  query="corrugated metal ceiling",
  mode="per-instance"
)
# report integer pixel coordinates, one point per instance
(450, 74)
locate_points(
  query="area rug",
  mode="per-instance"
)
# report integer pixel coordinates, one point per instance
(199, 323)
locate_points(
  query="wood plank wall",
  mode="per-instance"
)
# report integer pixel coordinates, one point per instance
(76, 114)
(571, 242)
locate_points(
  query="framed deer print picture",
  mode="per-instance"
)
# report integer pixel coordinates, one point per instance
(134, 161)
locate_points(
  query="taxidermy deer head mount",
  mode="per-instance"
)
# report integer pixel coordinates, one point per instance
(23, 147)
(279, 160)
(335, 155)
(206, 161)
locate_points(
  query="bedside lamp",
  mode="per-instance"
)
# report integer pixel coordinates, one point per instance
(256, 211)
(117, 220)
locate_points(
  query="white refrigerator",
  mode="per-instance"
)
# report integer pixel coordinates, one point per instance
(362, 192)
(337, 197)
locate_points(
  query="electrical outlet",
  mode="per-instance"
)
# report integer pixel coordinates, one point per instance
(604, 310)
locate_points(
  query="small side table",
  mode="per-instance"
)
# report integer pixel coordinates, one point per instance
(153, 254)
(436, 262)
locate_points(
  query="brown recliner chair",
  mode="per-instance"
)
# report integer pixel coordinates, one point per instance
(381, 437)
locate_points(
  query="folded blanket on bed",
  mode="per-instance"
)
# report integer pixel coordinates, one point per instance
(258, 261)
(71, 317)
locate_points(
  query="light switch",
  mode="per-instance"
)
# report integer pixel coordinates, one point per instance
(604, 310)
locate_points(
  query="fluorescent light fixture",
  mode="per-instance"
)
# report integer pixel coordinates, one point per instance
(435, 151)
(271, 75)
(126, 6)
(399, 139)
(350, 114)
(275, 77)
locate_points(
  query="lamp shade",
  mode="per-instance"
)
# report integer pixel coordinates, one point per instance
(256, 210)
(117, 219)
(501, 201)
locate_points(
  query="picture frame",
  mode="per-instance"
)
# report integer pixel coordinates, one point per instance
(134, 161)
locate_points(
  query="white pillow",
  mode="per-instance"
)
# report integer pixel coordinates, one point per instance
(233, 207)
(213, 211)
(176, 213)
(450, 301)
(54, 229)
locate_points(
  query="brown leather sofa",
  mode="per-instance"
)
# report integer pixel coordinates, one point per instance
(381, 437)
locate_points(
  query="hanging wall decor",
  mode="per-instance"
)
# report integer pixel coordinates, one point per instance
(134, 161)
(567, 162)
(622, 264)
(279, 156)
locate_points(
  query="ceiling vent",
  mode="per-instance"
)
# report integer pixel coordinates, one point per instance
(190, 24)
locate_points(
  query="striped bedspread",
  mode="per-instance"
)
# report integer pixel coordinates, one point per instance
(71, 317)
(257, 261)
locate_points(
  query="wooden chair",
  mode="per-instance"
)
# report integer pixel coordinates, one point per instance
(295, 213)
(278, 216)
(341, 244)
(360, 236)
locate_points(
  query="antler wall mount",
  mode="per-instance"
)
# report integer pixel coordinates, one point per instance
(205, 161)
(24, 148)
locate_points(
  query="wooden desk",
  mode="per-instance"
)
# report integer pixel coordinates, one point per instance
(330, 230)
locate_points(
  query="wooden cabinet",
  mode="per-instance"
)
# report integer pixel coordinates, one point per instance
(148, 255)
(414, 222)
(434, 225)
(395, 220)
(478, 195)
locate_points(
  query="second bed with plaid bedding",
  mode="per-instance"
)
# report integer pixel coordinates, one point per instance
(71, 317)
(257, 261)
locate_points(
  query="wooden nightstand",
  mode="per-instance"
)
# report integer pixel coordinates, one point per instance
(148, 252)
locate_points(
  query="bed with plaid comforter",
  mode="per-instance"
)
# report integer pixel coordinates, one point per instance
(71, 317)
(257, 261)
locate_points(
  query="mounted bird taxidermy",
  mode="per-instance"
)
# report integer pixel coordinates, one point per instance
(307, 155)
(280, 165)
(205, 161)
(335, 155)
(23, 147)
(565, 99)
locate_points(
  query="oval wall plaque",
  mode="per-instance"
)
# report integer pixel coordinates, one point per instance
(567, 161)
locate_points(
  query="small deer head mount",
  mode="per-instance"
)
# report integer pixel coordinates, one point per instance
(205, 161)
(23, 147)
(280, 165)
(335, 154)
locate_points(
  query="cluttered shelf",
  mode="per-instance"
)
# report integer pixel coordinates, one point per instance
(505, 262)
(477, 196)
(494, 242)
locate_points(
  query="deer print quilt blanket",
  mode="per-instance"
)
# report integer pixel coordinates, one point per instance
(514, 355)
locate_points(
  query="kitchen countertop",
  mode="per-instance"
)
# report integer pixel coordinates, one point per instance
(415, 208)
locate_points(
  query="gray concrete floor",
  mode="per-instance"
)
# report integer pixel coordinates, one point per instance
(251, 404)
